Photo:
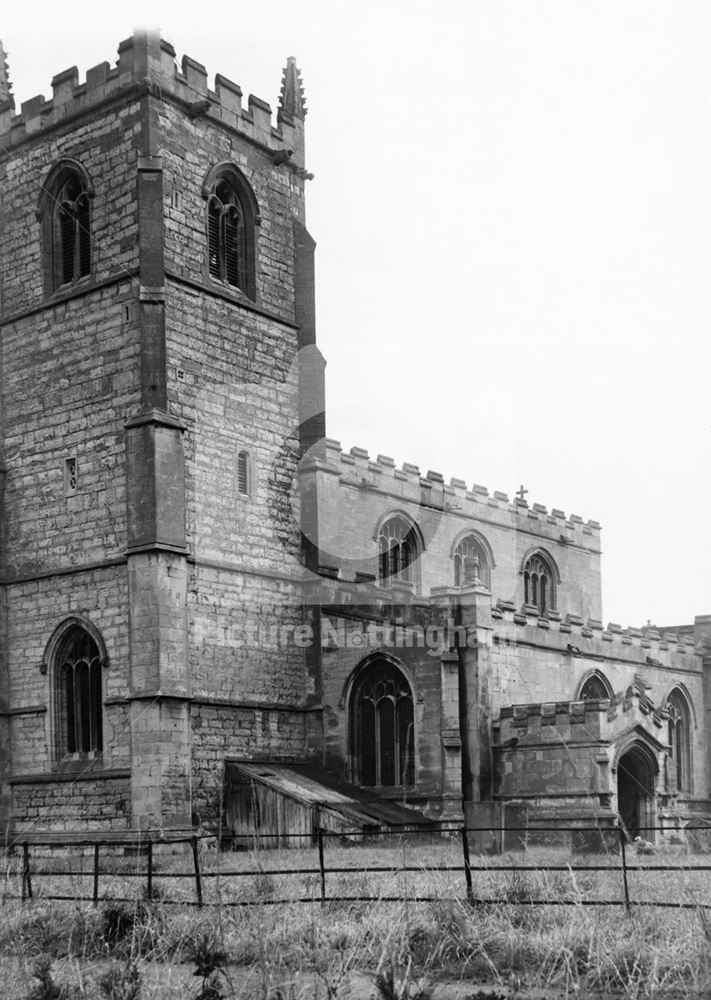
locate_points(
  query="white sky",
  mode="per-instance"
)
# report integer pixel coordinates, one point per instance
(512, 212)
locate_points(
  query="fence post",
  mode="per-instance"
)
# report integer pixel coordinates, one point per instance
(467, 864)
(624, 869)
(149, 884)
(96, 873)
(321, 866)
(26, 876)
(196, 862)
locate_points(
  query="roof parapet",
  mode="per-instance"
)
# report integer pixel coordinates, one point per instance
(147, 62)
(580, 634)
(454, 495)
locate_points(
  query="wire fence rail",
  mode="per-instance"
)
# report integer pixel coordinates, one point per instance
(103, 874)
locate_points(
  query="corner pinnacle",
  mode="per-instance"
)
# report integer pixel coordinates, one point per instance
(291, 99)
(6, 98)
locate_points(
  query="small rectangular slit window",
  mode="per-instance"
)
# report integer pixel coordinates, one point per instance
(71, 480)
(243, 473)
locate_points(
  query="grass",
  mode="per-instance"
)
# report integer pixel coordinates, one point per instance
(148, 949)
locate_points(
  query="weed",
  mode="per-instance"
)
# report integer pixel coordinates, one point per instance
(210, 958)
(518, 887)
(46, 988)
(121, 982)
(117, 922)
(389, 987)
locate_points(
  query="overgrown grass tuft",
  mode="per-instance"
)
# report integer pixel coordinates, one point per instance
(402, 951)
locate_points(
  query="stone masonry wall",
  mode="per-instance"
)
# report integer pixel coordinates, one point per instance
(233, 382)
(69, 382)
(221, 730)
(67, 389)
(84, 804)
(532, 665)
(104, 143)
(348, 640)
(35, 609)
(356, 494)
(189, 150)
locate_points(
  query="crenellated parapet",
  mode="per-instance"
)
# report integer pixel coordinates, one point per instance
(147, 64)
(596, 718)
(356, 469)
(589, 638)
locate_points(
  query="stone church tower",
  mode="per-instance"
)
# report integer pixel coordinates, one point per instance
(209, 611)
(156, 302)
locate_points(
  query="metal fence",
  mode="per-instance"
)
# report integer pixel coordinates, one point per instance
(31, 874)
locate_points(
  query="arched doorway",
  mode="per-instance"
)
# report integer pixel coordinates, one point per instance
(635, 792)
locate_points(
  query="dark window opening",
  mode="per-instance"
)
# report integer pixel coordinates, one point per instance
(243, 473)
(72, 232)
(594, 689)
(230, 235)
(539, 588)
(383, 719)
(398, 550)
(79, 700)
(680, 740)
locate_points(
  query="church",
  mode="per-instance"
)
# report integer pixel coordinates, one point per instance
(212, 615)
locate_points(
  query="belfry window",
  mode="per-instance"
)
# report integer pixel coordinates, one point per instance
(383, 727)
(471, 564)
(397, 551)
(539, 584)
(231, 220)
(78, 699)
(680, 740)
(65, 217)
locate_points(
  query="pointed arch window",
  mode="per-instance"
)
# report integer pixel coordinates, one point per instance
(539, 584)
(65, 217)
(680, 740)
(78, 696)
(471, 563)
(383, 727)
(231, 220)
(398, 549)
(595, 688)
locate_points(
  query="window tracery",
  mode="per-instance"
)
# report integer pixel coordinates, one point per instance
(539, 584)
(383, 723)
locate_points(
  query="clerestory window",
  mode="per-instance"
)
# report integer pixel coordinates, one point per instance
(594, 688)
(539, 584)
(471, 564)
(398, 549)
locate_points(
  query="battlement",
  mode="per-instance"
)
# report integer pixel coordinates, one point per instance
(356, 468)
(146, 64)
(590, 638)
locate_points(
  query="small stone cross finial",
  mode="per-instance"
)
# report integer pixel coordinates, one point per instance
(521, 494)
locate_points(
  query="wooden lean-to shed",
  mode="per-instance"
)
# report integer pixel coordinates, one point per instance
(279, 805)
